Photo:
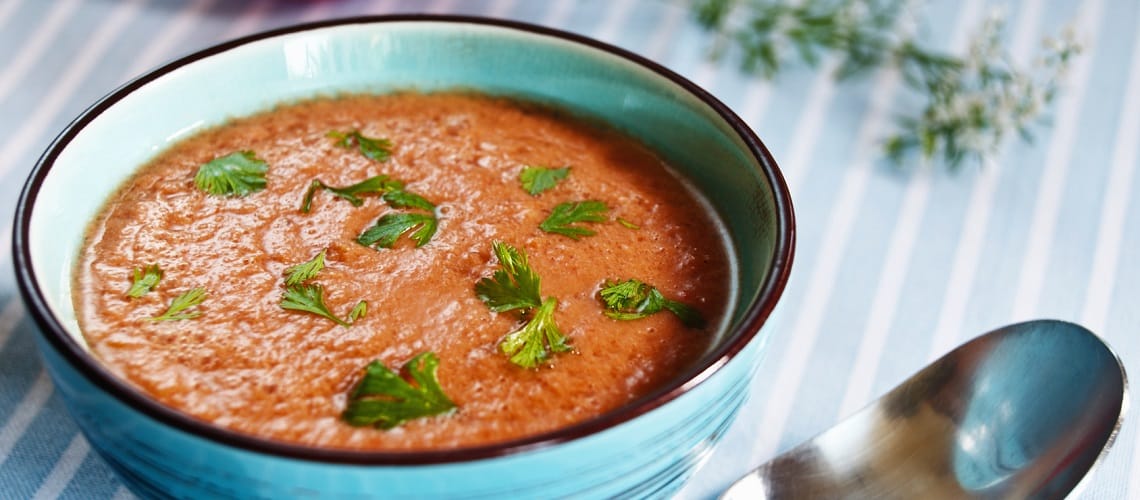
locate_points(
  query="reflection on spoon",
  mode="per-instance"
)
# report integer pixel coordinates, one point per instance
(1024, 411)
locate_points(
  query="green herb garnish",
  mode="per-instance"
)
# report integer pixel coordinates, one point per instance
(383, 399)
(405, 199)
(372, 148)
(566, 214)
(306, 271)
(516, 286)
(358, 312)
(311, 299)
(178, 307)
(538, 179)
(236, 174)
(530, 345)
(377, 185)
(633, 299)
(628, 224)
(144, 280)
(391, 226)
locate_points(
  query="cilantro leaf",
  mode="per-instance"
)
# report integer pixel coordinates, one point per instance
(305, 271)
(372, 148)
(514, 286)
(688, 315)
(628, 224)
(568, 213)
(181, 303)
(311, 299)
(144, 280)
(377, 185)
(383, 399)
(538, 179)
(236, 174)
(624, 295)
(358, 312)
(399, 198)
(633, 299)
(530, 345)
(391, 226)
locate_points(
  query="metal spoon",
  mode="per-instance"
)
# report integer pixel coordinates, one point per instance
(1024, 411)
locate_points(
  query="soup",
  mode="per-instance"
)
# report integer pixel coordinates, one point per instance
(249, 274)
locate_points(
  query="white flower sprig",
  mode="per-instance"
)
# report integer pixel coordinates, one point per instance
(972, 101)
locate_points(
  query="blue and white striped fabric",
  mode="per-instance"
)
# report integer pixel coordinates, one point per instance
(893, 267)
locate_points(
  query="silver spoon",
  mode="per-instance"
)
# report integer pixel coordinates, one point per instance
(1024, 411)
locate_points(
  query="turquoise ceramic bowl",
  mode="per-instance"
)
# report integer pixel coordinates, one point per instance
(646, 448)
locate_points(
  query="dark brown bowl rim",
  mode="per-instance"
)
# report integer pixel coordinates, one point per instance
(81, 360)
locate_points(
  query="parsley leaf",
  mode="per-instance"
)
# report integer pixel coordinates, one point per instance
(181, 303)
(538, 179)
(568, 213)
(514, 285)
(391, 226)
(236, 174)
(634, 299)
(144, 280)
(530, 345)
(378, 185)
(372, 148)
(628, 224)
(383, 399)
(358, 312)
(306, 271)
(311, 299)
(398, 198)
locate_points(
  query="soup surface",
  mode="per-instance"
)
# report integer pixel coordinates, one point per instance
(247, 364)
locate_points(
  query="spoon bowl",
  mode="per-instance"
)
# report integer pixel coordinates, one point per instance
(1024, 411)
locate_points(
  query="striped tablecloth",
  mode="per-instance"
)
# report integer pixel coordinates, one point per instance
(893, 267)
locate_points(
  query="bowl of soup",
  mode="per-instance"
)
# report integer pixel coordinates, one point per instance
(405, 256)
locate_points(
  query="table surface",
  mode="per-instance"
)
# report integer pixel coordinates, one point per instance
(893, 268)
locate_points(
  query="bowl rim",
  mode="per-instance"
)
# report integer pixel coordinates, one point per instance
(51, 329)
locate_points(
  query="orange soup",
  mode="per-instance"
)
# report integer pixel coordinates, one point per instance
(204, 329)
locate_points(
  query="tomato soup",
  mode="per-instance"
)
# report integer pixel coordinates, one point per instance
(239, 360)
